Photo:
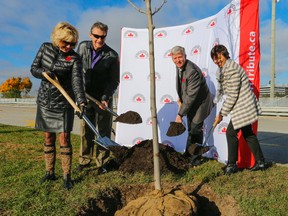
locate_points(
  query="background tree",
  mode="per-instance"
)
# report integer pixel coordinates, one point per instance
(25, 86)
(153, 107)
(13, 87)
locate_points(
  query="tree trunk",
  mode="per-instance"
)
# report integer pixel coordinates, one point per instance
(153, 97)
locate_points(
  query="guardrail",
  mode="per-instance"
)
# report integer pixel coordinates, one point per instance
(274, 111)
(266, 109)
(18, 100)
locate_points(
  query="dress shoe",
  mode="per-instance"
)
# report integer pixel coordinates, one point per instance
(48, 177)
(259, 165)
(102, 170)
(68, 182)
(231, 168)
(82, 167)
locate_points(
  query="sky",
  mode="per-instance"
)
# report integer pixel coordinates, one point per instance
(26, 24)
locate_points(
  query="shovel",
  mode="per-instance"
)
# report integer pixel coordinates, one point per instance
(100, 104)
(102, 141)
(129, 117)
(209, 134)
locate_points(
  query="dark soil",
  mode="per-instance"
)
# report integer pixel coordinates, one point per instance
(139, 158)
(175, 129)
(129, 117)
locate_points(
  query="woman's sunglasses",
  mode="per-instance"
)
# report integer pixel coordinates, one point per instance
(72, 44)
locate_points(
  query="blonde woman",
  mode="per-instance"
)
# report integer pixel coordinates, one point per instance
(54, 113)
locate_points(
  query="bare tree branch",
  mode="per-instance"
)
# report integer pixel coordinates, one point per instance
(156, 10)
(138, 9)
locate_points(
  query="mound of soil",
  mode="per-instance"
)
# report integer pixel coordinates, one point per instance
(129, 117)
(139, 158)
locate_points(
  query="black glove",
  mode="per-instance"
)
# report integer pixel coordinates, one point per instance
(51, 75)
(82, 112)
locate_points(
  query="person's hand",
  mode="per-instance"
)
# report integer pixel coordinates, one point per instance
(103, 105)
(51, 75)
(178, 119)
(82, 112)
(218, 119)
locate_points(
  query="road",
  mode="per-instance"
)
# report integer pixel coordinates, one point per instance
(272, 131)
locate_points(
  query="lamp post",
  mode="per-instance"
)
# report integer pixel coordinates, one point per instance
(272, 81)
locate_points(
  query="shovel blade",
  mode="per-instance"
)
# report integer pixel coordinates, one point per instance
(105, 141)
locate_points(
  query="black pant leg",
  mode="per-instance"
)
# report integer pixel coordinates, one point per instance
(232, 143)
(252, 142)
(104, 121)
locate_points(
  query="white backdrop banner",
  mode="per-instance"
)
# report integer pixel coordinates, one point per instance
(198, 38)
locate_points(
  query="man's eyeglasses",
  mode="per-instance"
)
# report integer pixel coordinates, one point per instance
(66, 43)
(99, 36)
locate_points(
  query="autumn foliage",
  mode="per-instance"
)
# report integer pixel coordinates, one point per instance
(13, 87)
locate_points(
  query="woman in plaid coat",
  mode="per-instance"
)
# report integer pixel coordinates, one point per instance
(242, 105)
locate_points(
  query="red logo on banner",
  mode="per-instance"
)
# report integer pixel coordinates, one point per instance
(168, 54)
(142, 54)
(166, 99)
(160, 34)
(196, 50)
(222, 128)
(137, 140)
(188, 30)
(139, 98)
(149, 121)
(157, 77)
(216, 42)
(205, 72)
(127, 76)
(231, 10)
(215, 154)
(130, 34)
(212, 23)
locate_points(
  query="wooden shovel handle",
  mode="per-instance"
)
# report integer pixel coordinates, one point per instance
(56, 83)
(215, 124)
(89, 97)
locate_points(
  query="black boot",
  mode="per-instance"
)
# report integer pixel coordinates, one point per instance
(259, 165)
(67, 182)
(231, 168)
(48, 177)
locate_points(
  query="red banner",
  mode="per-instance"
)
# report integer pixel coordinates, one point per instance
(249, 59)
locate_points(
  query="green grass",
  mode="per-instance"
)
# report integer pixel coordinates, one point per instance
(22, 166)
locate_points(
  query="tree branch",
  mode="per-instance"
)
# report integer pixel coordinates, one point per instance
(138, 9)
(156, 10)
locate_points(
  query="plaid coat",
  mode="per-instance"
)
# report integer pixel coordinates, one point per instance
(240, 100)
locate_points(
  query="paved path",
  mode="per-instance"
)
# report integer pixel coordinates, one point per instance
(272, 131)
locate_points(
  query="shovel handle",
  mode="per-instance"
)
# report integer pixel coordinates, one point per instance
(215, 124)
(60, 88)
(100, 104)
(56, 83)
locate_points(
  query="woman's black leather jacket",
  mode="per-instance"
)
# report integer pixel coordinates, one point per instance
(68, 69)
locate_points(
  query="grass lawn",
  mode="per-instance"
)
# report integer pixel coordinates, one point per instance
(22, 166)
